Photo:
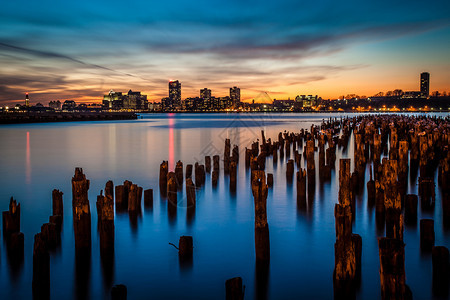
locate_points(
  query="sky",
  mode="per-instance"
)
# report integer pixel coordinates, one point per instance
(57, 50)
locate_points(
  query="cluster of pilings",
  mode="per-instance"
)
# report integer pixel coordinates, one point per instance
(396, 146)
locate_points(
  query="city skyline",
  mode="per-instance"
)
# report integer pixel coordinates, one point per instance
(80, 50)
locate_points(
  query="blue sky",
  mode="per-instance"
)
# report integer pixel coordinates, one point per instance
(80, 50)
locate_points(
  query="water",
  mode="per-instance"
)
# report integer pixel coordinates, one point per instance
(36, 158)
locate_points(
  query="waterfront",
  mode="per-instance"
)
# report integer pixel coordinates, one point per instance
(37, 158)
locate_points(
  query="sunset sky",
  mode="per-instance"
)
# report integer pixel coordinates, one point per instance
(80, 50)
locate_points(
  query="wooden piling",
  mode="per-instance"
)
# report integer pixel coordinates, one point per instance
(392, 269)
(259, 190)
(57, 202)
(190, 193)
(185, 247)
(41, 268)
(441, 271)
(119, 292)
(148, 198)
(81, 211)
(234, 289)
(426, 234)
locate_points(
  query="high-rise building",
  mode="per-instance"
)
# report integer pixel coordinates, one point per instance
(425, 84)
(175, 94)
(27, 100)
(235, 95)
(205, 94)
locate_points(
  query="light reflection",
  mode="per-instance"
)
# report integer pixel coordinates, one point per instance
(28, 161)
(171, 142)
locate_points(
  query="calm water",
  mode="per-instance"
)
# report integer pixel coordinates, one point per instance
(36, 158)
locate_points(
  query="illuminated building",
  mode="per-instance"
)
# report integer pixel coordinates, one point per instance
(113, 100)
(69, 105)
(27, 100)
(425, 84)
(205, 94)
(56, 105)
(235, 95)
(174, 94)
(205, 99)
(132, 100)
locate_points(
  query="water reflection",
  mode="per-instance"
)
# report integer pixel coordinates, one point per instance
(222, 222)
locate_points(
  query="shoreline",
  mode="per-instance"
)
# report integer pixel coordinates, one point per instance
(51, 117)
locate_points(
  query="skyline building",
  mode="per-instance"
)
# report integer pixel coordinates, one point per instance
(174, 94)
(425, 84)
(235, 95)
(27, 100)
(205, 94)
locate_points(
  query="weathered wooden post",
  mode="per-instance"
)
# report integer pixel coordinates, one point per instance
(269, 179)
(148, 198)
(426, 192)
(57, 220)
(190, 193)
(259, 190)
(41, 268)
(11, 219)
(50, 235)
(226, 156)
(163, 172)
(290, 170)
(199, 175)
(348, 246)
(185, 247)
(189, 171)
(392, 200)
(441, 270)
(109, 189)
(81, 211)
(235, 154)
(134, 198)
(207, 164)
(119, 292)
(310, 164)
(172, 189)
(121, 197)
(426, 234)
(233, 175)
(371, 190)
(411, 209)
(179, 173)
(301, 188)
(105, 211)
(392, 269)
(57, 203)
(234, 289)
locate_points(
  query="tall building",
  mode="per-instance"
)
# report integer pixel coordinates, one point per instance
(175, 94)
(205, 94)
(425, 84)
(235, 95)
(27, 100)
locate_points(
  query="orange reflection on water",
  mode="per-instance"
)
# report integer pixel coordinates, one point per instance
(171, 141)
(28, 161)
